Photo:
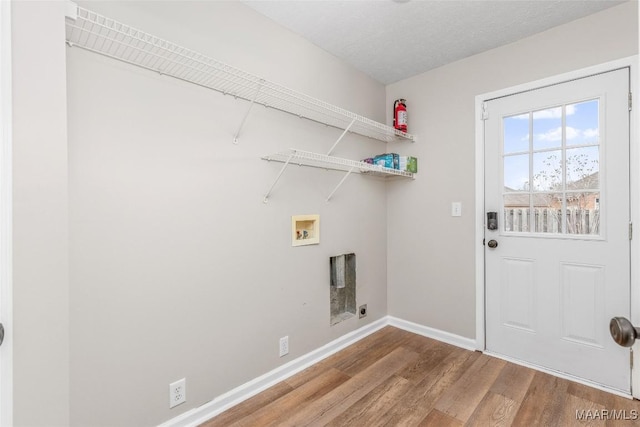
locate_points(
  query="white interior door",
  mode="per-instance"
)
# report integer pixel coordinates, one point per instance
(557, 175)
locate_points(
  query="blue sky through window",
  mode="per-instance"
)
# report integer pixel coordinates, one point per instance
(581, 128)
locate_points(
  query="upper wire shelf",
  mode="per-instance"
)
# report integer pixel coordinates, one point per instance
(111, 38)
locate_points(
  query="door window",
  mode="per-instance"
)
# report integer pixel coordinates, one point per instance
(551, 170)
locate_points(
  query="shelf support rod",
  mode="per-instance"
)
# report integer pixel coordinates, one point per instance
(275, 181)
(340, 183)
(341, 136)
(235, 137)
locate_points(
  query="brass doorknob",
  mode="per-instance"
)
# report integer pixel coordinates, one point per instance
(492, 244)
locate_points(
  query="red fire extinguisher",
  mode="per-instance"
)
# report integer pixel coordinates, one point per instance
(400, 115)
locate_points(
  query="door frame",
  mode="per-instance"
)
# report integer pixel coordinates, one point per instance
(6, 209)
(634, 165)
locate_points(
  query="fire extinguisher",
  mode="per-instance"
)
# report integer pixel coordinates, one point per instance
(400, 115)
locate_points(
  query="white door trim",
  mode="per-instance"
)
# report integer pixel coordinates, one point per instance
(631, 62)
(6, 208)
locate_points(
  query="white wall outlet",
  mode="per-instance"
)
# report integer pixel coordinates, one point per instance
(177, 392)
(456, 209)
(284, 346)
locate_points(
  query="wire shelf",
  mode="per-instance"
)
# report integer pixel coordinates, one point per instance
(306, 158)
(111, 38)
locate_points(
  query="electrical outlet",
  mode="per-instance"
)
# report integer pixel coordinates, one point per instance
(177, 392)
(284, 346)
(362, 311)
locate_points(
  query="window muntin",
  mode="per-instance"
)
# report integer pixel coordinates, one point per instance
(551, 172)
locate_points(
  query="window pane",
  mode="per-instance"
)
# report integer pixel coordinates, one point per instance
(583, 168)
(582, 123)
(516, 173)
(516, 133)
(552, 173)
(516, 212)
(547, 213)
(583, 213)
(547, 128)
(547, 171)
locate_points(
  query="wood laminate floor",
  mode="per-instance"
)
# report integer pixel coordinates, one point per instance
(396, 378)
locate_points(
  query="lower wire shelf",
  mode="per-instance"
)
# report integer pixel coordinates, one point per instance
(323, 161)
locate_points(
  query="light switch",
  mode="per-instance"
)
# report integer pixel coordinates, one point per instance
(456, 209)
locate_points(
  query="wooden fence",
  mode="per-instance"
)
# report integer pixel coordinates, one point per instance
(549, 220)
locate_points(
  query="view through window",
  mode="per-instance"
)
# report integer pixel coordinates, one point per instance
(551, 170)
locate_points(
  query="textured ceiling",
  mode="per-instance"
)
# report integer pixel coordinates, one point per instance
(391, 40)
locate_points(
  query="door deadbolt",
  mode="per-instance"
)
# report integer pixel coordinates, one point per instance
(623, 332)
(492, 244)
(492, 220)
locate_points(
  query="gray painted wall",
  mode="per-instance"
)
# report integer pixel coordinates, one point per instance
(143, 252)
(40, 216)
(431, 258)
(177, 267)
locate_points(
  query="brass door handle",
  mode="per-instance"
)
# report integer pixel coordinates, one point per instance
(492, 244)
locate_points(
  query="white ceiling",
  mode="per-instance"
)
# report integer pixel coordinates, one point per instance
(391, 40)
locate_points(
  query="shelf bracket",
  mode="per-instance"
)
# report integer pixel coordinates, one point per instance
(340, 183)
(71, 10)
(235, 137)
(275, 181)
(341, 136)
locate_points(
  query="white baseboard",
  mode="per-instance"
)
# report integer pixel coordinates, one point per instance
(241, 393)
(436, 334)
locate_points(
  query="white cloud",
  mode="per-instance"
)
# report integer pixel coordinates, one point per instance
(573, 133)
(591, 133)
(554, 135)
(550, 113)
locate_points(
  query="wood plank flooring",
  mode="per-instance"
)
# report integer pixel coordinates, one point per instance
(396, 378)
